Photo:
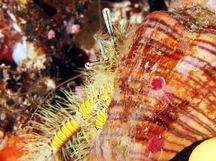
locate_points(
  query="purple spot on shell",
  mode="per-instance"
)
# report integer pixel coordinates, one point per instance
(157, 83)
(155, 143)
(167, 98)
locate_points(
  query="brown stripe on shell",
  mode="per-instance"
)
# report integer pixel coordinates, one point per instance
(148, 123)
(171, 56)
(162, 118)
(207, 49)
(206, 42)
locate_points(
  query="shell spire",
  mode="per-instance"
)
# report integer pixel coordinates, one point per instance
(165, 94)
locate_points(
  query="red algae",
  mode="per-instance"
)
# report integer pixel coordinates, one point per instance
(13, 150)
(210, 27)
(157, 83)
(155, 144)
(167, 98)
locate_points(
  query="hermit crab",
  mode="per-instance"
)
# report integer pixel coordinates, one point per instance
(150, 94)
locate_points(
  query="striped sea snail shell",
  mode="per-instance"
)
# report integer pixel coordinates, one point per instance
(165, 92)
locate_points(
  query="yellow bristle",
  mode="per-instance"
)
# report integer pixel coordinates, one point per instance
(108, 101)
(61, 136)
(89, 106)
(70, 127)
(84, 110)
(100, 120)
(98, 124)
(54, 145)
(101, 117)
(91, 103)
(66, 131)
(58, 140)
(75, 123)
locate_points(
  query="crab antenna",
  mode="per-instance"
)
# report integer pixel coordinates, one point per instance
(107, 19)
